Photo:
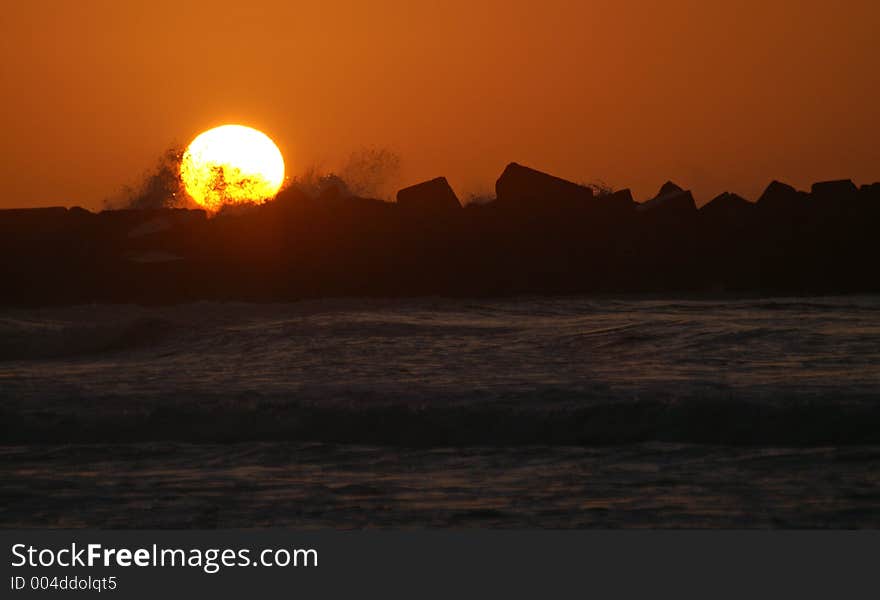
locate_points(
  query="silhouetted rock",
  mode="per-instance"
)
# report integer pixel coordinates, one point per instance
(292, 198)
(34, 214)
(780, 196)
(555, 241)
(832, 189)
(167, 219)
(869, 201)
(833, 199)
(525, 187)
(834, 195)
(619, 203)
(333, 191)
(330, 186)
(671, 201)
(727, 206)
(138, 223)
(79, 211)
(669, 188)
(870, 195)
(434, 196)
(23, 222)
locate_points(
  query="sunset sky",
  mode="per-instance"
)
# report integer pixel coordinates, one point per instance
(716, 96)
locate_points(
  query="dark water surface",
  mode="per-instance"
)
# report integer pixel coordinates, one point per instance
(443, 413)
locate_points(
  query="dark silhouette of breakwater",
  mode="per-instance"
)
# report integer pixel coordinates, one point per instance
(541, 235)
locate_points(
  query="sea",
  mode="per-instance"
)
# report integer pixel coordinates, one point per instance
(575, 412)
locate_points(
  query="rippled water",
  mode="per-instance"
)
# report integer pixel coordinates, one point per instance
(530, 412)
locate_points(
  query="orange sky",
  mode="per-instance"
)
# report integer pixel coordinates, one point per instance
(712, 95)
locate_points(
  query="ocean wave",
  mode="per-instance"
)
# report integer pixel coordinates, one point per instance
(22, 339)
(579, 371)
(717, 422)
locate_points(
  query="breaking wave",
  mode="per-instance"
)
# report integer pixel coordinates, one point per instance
(703, 421)
(30, 339)
(431, 372)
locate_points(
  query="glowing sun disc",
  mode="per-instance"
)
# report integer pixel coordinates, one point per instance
(231, 164)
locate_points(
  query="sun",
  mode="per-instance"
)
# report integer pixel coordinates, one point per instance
(231, 164)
